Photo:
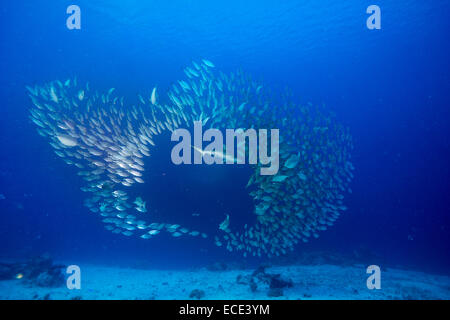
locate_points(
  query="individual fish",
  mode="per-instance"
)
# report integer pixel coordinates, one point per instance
(153, 96)
(208, 63)
(140, 205)
(292, 161)
(67, 140)
(225, 224)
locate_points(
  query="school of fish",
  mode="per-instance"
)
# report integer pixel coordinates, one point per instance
(108, 142)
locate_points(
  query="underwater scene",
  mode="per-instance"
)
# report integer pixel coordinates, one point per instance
(224, 150)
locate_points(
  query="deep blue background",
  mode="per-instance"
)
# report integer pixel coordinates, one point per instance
(391, 87)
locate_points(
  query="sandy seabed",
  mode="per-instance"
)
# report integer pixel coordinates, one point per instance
(309, 282)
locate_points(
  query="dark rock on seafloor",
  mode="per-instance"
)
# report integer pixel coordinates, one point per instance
(277, 282)
(37, 271)
(275, 292)
(253, 286)
(261, 278)
(245, 280)
(49, 279)
(197, 294)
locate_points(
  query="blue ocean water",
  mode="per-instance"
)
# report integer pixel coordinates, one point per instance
(390, 87)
